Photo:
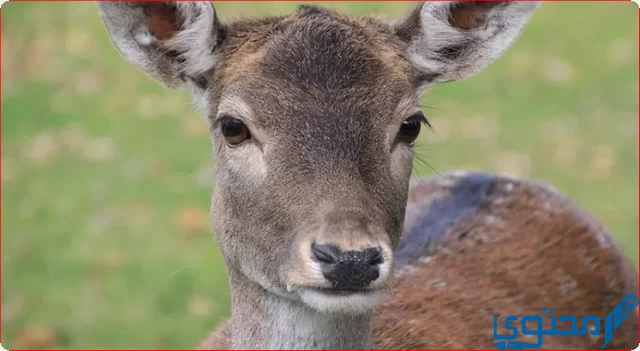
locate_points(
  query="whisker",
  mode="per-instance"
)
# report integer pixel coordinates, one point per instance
(417, 176)
(433, 108)
(425, 163)
(422, 157)
(415, 172)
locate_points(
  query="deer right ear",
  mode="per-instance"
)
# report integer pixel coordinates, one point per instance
(453, 40)
(173, 42)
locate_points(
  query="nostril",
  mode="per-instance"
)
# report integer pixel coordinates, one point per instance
(349, 270)
(374, 256)
(325, 253)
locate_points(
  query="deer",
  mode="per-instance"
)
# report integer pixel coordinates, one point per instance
(328, 240)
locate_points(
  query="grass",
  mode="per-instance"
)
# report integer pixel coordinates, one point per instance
(105, 174)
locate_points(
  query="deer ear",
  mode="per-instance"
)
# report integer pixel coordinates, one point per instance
(173, 42)
(451, 41)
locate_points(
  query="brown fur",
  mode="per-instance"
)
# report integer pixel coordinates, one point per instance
(471, 15)
(163, 21)
(530, 248)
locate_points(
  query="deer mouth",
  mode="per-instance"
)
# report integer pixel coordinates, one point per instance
(347, 301)
(344, 292)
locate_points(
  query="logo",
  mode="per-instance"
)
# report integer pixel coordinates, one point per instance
(614, 319)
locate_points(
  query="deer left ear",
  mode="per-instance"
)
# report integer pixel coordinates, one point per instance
(174, 42)
(451, 41)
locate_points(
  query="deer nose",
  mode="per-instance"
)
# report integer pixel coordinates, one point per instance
(348, 270)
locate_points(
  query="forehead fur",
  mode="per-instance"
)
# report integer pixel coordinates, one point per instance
(329, 50)
(319, 53)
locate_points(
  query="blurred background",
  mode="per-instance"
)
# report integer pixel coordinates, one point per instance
(106, 175)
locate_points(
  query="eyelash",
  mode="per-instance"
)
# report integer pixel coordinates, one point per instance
(410, 129)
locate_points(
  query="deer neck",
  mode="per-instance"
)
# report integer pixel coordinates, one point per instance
(264, 320)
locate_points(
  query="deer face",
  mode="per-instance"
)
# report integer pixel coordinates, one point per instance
(313, 118)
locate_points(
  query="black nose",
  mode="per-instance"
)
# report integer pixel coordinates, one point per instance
(348, 270)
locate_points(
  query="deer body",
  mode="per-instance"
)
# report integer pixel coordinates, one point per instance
(313, 120)
(479, 245)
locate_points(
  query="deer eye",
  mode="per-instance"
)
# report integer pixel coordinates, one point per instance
(234, 130)
(410, 128)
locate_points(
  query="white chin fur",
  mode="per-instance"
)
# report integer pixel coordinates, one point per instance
(356, 303)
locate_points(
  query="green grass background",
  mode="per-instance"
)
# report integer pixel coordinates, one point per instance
(106, 174)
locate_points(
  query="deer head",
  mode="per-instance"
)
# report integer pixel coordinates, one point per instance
(313, 120)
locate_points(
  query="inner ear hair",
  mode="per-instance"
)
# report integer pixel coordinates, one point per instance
(471, 15)
(163, 20)
(451, 41)
(174, 41)
(161, 25)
